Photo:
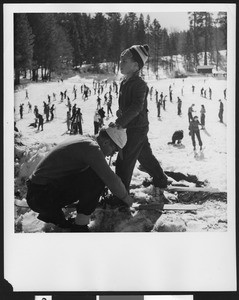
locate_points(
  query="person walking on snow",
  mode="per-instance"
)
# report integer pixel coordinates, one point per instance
(76, 171)
(132, 114)
(194, 131)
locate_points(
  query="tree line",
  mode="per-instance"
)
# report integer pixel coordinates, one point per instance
(57, 42)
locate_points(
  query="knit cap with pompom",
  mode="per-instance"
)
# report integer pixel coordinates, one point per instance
(140, 54)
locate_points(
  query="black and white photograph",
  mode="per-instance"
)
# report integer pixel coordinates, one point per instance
(119, 147)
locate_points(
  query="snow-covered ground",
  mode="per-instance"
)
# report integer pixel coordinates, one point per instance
(210, 165)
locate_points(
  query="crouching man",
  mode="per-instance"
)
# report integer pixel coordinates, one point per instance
(177, 137)
(76, 170)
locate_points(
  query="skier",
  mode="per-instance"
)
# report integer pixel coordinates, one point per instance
(62, 95)
(164, 101)
(225, 94)
(221, 109)
(29, 107)
(21, 110)
(177, 136)
(76, 124)
(98, 100)
(171, 95)
(47, 111)
(52, 112)
(65, 94)
(109, 103)
(202, 90)
(101, 112)
(68, 120)
(194, 130)
(190, 113)
(35, 111)
(179, 106)
(202, 118)
(159, 103)
(76, 170)
(40, 121)
(193, 88)
(132, 114)
(210, 93)
(27, 96)
(96, 122)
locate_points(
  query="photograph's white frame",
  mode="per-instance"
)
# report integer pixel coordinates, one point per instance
(117, 262)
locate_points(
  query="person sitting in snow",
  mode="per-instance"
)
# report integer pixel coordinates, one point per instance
(132, 114)
(177, 136)
(76, 170)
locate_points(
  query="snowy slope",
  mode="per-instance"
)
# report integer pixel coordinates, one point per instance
(210, 165)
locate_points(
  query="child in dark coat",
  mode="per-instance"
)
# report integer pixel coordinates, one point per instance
(133, 115)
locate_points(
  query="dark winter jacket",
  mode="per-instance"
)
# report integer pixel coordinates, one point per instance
(73, 156)
(178, 135)
(133, 103)
(193, 126)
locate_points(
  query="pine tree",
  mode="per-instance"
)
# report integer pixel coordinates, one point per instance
(23, 45)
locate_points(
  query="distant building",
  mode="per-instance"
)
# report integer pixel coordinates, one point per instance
(204, 69)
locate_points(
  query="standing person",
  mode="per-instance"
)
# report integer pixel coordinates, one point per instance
(190, 113)
(35, 111)
(96, 122)
(159, 103)
(221, 109)
(164, 101)
(225, 94)
(27, 96)
(194, 130)
(98, 100)
(156, 96)
(73, 110)
(210, 93)
(171, 95)
(40, 121)
(179, 106)
(47, 112)
(133, 115)
(21, 110)
(76, 170)
(101, 112)
(62, 95)
(76, 123)
(29, 107)
(68, 120)
(202, 118)
(52, 111)
(109, 104)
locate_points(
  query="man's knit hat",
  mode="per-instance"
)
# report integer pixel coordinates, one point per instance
(140, 54)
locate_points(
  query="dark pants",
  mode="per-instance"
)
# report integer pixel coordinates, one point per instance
(203, 119)
(197, 133)
(220, 115)
(49, 199)
(138, 148)
(190, 117)
(96, 127)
